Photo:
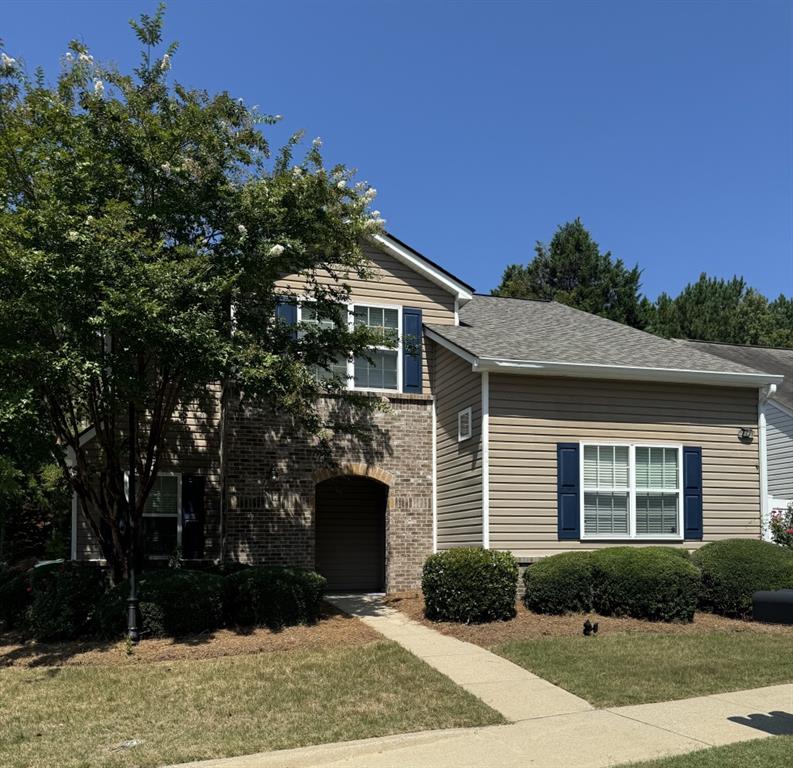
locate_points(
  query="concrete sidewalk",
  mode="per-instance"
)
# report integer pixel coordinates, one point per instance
(549, 728)
(509, 689)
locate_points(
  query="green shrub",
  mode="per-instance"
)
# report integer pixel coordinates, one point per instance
(172, 602)
(559, 584)
(734, 569)
(271, 596)
(470, 585)
(15, 599)
(654, 583)
(64, 598)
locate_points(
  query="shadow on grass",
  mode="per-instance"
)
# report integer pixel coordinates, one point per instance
(17, 650)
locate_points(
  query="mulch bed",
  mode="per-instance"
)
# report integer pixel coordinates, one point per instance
(530, 626)
(333, 629)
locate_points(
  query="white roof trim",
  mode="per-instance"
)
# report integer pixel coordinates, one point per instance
(459, 351)
(627, 372)
(421, 266)
(88, 434)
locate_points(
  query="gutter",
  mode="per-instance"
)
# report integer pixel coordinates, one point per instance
(597, 371)
(625, 372)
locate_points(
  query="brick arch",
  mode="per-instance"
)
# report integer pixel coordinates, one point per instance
(355, 470)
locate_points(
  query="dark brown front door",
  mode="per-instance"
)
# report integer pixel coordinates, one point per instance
(350, 533)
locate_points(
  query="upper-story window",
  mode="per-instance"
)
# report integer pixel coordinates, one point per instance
(381, 367)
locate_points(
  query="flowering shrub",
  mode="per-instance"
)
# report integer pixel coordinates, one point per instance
(782, 526)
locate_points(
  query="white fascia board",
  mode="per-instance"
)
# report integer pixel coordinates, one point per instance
(422, 267)
(459, 351)
(626, 372)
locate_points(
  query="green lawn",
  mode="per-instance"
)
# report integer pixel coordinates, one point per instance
(776, 752)
(638, 668)
(78, 717)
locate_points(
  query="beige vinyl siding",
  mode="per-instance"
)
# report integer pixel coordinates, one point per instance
(192, 446)
(779, 440)
(392, 282)
(459, 464)
(530, 415)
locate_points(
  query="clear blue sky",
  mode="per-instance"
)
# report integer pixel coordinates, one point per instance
(666, 126)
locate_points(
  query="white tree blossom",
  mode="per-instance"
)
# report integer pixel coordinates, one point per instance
(165, 64)
(6, 62)
(276, 250)
(99, 87)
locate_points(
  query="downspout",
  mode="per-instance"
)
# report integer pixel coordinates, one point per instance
(765, 510)
(434, 477)
(485, 460)
(73, 547)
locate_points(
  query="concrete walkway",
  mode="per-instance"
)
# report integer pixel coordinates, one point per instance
(549, 728)
(509, 689)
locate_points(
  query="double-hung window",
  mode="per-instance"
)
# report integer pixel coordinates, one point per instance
(631, 491)
(162, 524)
(381, 367)
(310, 316)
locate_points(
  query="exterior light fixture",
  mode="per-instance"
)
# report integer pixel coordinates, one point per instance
(745, 434)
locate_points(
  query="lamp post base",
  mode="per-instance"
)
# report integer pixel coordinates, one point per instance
(133, 633)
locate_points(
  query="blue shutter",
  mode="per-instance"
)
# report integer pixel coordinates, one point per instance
(411, 350)
(692, 492)
(568, 491)
(286, 312)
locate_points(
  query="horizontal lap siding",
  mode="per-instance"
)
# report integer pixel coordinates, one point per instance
(459, 464)
(530, 415)
(391, 282)
(780, 452)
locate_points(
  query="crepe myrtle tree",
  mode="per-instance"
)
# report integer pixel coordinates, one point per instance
(143, 226)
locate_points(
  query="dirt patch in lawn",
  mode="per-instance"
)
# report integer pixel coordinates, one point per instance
(334, 629)
(528, 625)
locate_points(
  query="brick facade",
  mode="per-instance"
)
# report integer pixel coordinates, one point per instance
(271, 476)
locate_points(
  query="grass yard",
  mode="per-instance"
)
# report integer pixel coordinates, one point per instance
(81, 716)
(776, 752)
(621, 669)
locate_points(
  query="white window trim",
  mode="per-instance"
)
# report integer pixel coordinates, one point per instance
(461, 415)
(178, 476)
(350, 306)
(632, 535)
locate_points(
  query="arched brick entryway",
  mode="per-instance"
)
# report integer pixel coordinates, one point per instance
(350, 531)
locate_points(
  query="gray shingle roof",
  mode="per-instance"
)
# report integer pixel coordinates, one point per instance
(769, 359)
(540, 331)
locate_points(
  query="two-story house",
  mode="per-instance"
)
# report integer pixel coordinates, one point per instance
(518, 425)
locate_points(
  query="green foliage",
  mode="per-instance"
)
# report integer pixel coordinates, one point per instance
(655, 583)
(573, 271)
(470, 585)
(64, 596)
(274, 597)
(15, 598)
(734, 569)
(729, 311)
(173, 602)
(134, 214)
(782, 526)
(559, 584)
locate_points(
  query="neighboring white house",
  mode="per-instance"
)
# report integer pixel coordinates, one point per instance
(778, 409)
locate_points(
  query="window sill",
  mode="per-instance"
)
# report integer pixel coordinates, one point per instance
(633, 539)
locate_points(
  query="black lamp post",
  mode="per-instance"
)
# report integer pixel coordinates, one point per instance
(133, 633)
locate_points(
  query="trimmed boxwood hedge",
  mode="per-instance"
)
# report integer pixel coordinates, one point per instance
(64, 597)
(173, 602)
(559, 584)
(734, 569)
(470, 585)
(655, 583)
(272, 596)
